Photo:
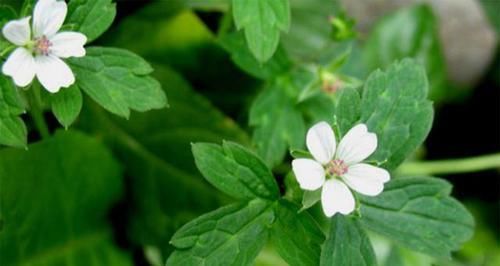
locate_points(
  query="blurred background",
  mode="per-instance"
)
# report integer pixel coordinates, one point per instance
(210, 96)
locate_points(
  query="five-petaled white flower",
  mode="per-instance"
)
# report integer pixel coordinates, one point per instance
(39, 51)
(337, 168)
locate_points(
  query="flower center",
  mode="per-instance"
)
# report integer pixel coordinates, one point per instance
(42, 45)
(337, 167)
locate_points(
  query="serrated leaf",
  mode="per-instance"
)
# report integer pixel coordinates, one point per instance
(262, 22)
(235, 170)
(166, 188)
(418, 213)
(231, 235)
(347, 109)
(118, 80)
(278, 122)
(297, 236)
(234, 43)
(410, 32)
(66, 105)
(54, 201)
(395, 107)
(12, 129)
(91, 17)
(347, 244)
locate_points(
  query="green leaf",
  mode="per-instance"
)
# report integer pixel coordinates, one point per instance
(347, 244)
(91, 17)
(262, 22)
(297, 237)
(232, 235)
(310, 198)
(395, 107)
(118, 80)
(418, 213)
(410, 32)
(235, 170)
(66, 105)
(234, 43)
(155, 148)
(6, 14)
(278, 123)
(12, 129)
(347, 109)
(55, 200)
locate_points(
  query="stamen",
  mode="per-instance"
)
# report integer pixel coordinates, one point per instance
(337, 167)
(42, 45)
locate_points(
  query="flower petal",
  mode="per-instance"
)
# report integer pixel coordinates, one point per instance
(320, 142)
(18, 31)
(309, 173)
(48, 17)
(67, 44)
(336, 197)
(53, 73)
(357, 145)
(20, 66)
(366, 179)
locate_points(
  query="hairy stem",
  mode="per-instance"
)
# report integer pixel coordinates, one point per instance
(36, 110)
(452, 166)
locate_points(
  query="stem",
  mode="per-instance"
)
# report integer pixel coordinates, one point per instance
(452, 166)
(36, 110)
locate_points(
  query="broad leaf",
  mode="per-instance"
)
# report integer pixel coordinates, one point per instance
(66, 105)
(278, 122)
(91, 17)
(12, 129)
(235, 170)
(395, 107)
(232, 235)
(118, 80)
(54, 203)
(262, 22)
(410, 32)
(347, 244)
(418, 213)
(166, 188)
(297, 236)
(234, 43)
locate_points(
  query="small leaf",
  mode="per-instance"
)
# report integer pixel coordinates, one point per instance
(118, 80)
(395, 107)
(309, 198)
(297, 236)
(54, 201)
(91, 17)
(66, 105)
(262, 22)
(234, 43)
(418, 213)
(278, 122)
(231, 235)
(235, 170)
(347, 244)
(12, 129)
(410, 32)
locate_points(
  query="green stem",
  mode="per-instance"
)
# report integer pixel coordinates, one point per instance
(36, 110)
(452, 166)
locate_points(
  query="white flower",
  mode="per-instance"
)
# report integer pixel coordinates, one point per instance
(337, 169)
(39, 51)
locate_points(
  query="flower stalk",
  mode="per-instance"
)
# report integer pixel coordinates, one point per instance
(36, 110)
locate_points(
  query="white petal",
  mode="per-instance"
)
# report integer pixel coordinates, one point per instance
(336, 197)
(67, 44)
(53, 73)
(20, 66)
(320, 142)
(366, 179)
(17, 31)
(309, 173)
(357, 145)
(48, 17)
